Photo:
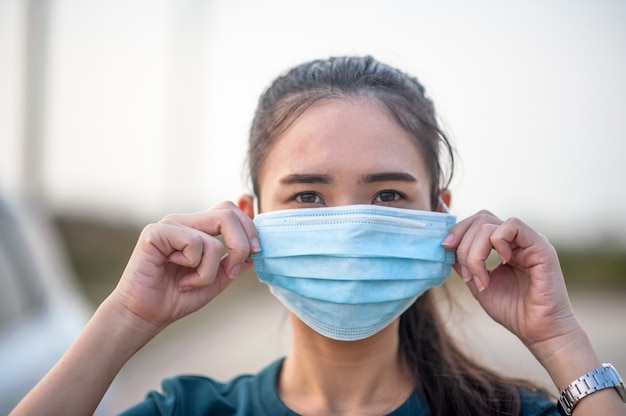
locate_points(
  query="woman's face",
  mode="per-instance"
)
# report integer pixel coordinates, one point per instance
(343, 152)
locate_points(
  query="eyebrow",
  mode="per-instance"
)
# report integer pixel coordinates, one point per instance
(388, 176)
(297, 178)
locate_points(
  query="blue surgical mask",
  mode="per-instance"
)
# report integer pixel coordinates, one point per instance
(347, 272)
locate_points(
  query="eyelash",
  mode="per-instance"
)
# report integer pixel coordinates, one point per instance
(397, 196)
(298, 197)
(318, 199)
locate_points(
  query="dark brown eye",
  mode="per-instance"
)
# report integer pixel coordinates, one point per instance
(308, 198)
(386, 197)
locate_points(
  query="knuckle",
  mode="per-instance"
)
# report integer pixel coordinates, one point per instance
(151, 236)
(227, 215)
(239, 249)
(170, 219)
(462, 252)
(213, 245)
(195, 239)
(149, 232)
(484, 214)
(225, 205)
(475, 263)
(514, 221)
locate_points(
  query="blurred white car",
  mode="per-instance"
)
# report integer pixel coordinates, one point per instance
(41, 310)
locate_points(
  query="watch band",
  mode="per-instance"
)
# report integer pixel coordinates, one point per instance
(601, 378)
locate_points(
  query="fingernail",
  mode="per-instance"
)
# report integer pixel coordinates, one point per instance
(448, 240)
(255, 245)
(234, 272)
(465, 274)
(479, 284)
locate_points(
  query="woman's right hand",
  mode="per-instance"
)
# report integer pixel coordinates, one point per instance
(179, 265)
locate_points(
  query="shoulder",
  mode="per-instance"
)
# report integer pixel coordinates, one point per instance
(250, 394)
(537, 403)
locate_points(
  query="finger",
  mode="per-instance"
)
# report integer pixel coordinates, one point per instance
(175, 244)
(211, 222)
(246, 223)
(503, 240)
(515, 236)
(478, 253)
(242, 267)
(465, 232)
(463, 272)
(208, 268)
(463, 236)
(236, 236)
(516, 231)
(189, 248)
(467, 278)
(235, 227)
(457, 233)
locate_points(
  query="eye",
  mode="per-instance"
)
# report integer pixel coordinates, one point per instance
(386, 197)
(308, 198)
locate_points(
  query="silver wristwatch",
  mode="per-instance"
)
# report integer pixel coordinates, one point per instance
(601, 378)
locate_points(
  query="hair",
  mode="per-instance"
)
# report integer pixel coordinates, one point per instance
(350, 78)
(450, 381)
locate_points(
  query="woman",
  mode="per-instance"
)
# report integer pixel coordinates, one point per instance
(351, 140)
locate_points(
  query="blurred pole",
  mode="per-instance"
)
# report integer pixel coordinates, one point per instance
(36, 59)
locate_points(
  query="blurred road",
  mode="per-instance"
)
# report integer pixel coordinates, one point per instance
(245, 328)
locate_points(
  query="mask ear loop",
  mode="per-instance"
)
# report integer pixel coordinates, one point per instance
(255, 205)
(443, 205)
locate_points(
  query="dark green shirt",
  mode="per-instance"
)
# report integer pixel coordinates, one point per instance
(257, 395)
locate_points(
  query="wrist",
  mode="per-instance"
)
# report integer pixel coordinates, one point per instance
(595, 381)
(566, 357)
(124, 327)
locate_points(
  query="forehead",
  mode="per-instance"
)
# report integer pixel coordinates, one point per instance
(344, 136)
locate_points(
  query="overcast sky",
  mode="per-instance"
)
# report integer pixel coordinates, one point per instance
(148, 103)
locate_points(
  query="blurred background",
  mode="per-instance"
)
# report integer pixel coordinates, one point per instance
(115, 113)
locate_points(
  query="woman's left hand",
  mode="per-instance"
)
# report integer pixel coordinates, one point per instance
(526, 292)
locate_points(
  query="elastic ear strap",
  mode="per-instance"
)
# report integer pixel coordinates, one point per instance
(443, 205)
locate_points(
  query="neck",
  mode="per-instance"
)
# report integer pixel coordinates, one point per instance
(330, 377)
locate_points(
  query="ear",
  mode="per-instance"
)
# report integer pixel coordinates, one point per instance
(446, 197)
(246, 204)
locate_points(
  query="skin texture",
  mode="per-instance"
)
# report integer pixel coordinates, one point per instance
(338, 152)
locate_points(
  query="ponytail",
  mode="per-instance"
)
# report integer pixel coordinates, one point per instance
(451, 382)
